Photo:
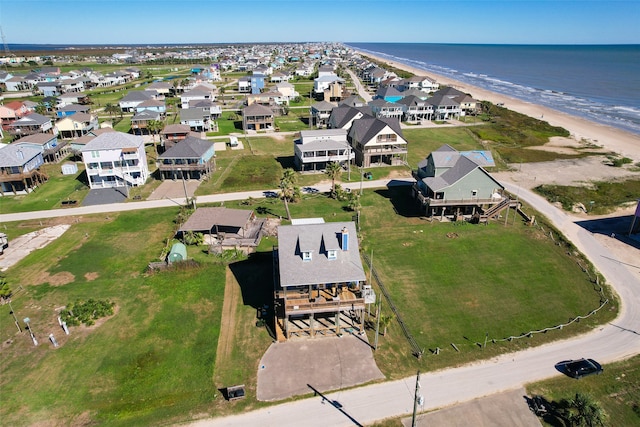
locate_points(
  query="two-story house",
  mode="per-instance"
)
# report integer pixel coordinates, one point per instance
(76, 125)
(317, 148)
(257, 117)
(19, 169)
(377, 142)
(52, 150)
(191, 158)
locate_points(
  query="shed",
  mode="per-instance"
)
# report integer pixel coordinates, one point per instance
(178, 253)
(69, 168)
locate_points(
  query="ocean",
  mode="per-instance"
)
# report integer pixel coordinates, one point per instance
(597, 82)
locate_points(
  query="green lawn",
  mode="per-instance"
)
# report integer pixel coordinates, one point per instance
(449, 280)
(150, 363)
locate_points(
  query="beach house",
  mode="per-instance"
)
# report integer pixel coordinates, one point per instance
(319, 281)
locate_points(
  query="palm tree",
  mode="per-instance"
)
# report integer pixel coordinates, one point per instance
(155, 126)
(112, 109)
(584, 411)
(41, 109)
(288, 188)
(333, 171)
(354, 204)
(385, 321)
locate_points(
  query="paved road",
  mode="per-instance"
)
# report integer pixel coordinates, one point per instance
(164, 203)
(615, 341)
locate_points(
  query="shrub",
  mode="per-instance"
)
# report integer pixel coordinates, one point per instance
(86, 312)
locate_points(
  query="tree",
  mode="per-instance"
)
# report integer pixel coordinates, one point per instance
(385, 321)
(584, 411)
(112, 109)
(41, 108)
(355, 205)
(5, 289)
(155, 126)
(288, 188)
(333, 171)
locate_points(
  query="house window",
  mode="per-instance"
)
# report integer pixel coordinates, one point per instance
(95, 154)
(306, 256)
(332, 254)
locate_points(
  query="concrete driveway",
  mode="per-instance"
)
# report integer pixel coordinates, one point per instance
(174, 189)
(327, 363)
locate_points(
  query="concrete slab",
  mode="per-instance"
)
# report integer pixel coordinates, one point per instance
(326, 363)
(508, 409)
(219, 146)
(170, 189)
(23, 245)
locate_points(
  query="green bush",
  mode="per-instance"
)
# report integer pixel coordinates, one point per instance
(86, 312)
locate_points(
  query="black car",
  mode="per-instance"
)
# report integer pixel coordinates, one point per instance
(582, 367)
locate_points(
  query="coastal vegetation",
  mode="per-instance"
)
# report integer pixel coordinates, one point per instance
(597, 198)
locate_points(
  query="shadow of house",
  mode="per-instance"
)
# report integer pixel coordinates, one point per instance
(255, 277)
(400, 198)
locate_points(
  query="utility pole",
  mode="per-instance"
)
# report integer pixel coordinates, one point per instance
(416, 399)
(378, 312)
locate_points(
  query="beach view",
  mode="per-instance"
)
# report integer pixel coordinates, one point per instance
(209, 216)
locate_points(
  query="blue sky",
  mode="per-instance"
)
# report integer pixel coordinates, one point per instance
(426, 21)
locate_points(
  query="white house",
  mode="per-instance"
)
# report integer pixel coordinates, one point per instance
(115, 159)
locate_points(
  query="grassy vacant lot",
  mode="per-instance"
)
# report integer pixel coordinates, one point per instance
(156, 360)
(152, 360)
(617, 391)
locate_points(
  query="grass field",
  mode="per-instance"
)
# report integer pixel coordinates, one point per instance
(151, 361)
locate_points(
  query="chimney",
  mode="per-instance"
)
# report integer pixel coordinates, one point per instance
(345, 239)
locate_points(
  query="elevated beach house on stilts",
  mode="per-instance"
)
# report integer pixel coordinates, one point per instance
(319, 280)
(452, 184)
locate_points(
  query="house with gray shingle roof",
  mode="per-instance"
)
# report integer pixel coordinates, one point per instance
(377, 142)
(31, 123)
(52, 150)
(451, 182)
(115, 159)
(191, 158)
(20, 168)
(257, 117)
(320, 281)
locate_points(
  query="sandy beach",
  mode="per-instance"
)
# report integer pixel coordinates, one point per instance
(612, 139)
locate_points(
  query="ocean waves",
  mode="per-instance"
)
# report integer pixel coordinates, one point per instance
(607, 102)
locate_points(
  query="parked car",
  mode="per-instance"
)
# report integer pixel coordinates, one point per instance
(582, 367)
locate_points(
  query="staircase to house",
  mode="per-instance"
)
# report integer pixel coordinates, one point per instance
(506, 203)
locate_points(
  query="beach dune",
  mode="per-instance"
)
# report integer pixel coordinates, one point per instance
(612, 139)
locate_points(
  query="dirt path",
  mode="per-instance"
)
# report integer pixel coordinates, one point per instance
(225, 341)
